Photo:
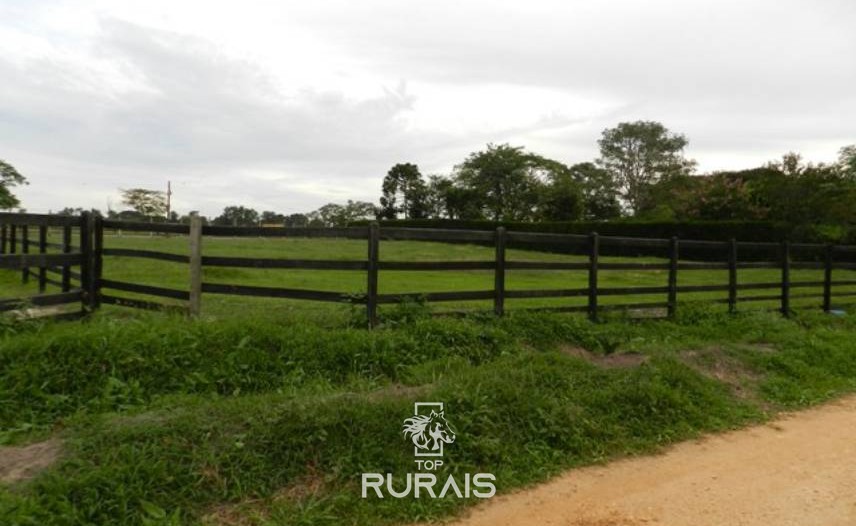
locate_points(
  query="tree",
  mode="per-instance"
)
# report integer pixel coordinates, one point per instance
(436, 191)
(561, 199)
(447, 198)
(9, 177)
(463, 203)
(237, 216)
(70, 211)
(506, 180)
(127, 215)
(639, 154)
(722, 197)
(600, 191)
(403, 192)
(847, 160)
(791, 164)
(147, 203)
(805, 193)
(357, 211)
(296, 220)
(333, 214)
(272, 218)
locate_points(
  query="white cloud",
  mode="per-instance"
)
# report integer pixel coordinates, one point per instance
(288, 105)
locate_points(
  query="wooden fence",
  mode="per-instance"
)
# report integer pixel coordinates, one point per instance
(24, 246)
(94, 290)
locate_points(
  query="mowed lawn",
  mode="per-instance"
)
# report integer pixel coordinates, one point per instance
(176, 275)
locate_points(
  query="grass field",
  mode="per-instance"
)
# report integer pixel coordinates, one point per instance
(176, 275)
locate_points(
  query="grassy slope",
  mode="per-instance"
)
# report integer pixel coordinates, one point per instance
(176, 275)
(234, 420)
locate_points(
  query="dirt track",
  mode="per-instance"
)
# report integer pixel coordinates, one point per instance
(797, 470)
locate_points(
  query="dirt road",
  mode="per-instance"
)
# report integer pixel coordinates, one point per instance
(797, 470)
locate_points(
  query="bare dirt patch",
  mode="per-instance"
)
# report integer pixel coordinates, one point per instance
(800, 470)
(716, 363)
(310, 484)
(399, 391)
(19, 463)
(614, 360)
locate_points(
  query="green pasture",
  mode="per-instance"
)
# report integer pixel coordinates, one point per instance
(176, 275)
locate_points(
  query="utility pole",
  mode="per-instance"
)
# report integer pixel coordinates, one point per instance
(168, 199)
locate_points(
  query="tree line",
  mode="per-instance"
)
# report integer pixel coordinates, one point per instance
(641, 173)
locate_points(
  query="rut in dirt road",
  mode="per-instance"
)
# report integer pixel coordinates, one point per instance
(797, 470)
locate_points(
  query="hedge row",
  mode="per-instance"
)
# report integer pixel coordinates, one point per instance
(761, 231)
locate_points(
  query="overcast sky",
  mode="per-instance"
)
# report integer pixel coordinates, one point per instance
(285, 105)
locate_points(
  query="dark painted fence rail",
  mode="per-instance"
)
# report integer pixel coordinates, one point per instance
(24, 246)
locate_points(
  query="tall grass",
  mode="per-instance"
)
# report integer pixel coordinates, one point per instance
(167, 421)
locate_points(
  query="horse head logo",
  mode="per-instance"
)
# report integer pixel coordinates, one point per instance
(429, 432)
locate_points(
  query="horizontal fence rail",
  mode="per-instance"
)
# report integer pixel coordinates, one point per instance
(24, 247)
(307, 264)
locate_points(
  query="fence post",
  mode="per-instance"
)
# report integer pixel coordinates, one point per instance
(3, 239)
(786, 278)
(43, 248)
(371, 285)
(673, 276)
(195, 304)
(25, 249)
(13, 239)
(66, 248)
(499, 274)
(86, 259)
(827, 279)
(97, 259)
(732, 276)
(594, 253)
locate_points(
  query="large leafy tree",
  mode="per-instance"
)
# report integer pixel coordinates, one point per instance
(333, 214)
(787, 190)
(147, 203)
(639, 154)
(599, 189)
(720, 197)
(358, 210)
(463, 203)
(561, 198)
(507, 180)
(804, 193)
(9, 177)
(404, 191)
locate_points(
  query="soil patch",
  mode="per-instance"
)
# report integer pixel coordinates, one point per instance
(716, 363)
(800, 470)
(19, 463)
(614, 360)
